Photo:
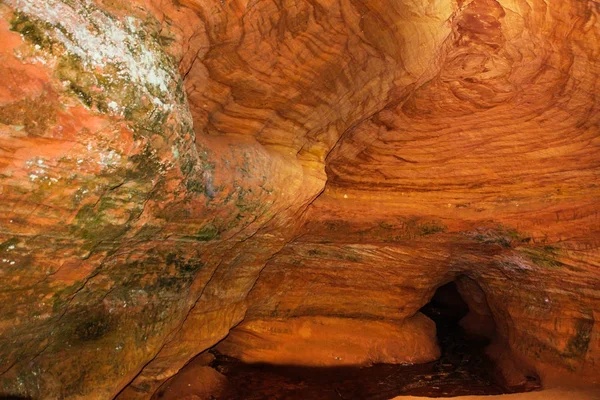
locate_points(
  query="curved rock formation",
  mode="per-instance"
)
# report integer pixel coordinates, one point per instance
(169, 169)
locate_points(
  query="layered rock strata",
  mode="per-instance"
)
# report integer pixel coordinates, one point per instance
(156, 156)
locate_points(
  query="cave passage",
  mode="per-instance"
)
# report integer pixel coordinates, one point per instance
(462, 369)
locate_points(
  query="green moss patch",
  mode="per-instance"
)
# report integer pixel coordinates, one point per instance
(501, 236)
(207, 233)
(579, 343)
(32, 29)
(543, 256)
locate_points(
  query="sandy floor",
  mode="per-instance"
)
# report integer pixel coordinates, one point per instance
(551, 394)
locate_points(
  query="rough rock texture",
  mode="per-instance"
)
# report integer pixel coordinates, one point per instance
(156, 155)
(196, 381)
(116, 215)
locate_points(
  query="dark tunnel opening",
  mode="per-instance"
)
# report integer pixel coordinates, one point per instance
(463, 367)
(463, 335)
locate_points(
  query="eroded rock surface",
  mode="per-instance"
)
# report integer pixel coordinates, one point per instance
(327, 341)
(156, 156)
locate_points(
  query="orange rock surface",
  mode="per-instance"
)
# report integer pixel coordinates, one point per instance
(171, 169)
(326, 341)
(194, 382)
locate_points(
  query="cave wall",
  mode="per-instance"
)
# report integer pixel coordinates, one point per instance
(487, 170)
(156, 155)
(385, 268)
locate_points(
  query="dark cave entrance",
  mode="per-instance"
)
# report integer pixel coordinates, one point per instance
(463, 335)
(447, 307)
(463, 368)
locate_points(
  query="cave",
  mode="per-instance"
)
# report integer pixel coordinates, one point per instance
(463, 341)
(462, 369)
(190, 184)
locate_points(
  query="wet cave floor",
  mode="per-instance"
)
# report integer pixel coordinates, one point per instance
(463, 369)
